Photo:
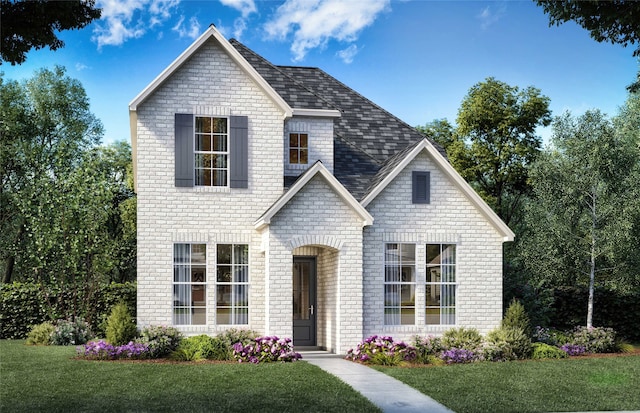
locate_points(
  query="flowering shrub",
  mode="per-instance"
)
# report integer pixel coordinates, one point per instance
(595, 339)
(71, 332)
(265, 349)
(160, 340)
(573, 349)
(427, 349)
(550, 336)
(458, 355)
(382, 350)
(101, 350)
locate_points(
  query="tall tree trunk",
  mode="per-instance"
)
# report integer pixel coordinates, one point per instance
(592, 264)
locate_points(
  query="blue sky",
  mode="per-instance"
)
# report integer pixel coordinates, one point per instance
(416, 59)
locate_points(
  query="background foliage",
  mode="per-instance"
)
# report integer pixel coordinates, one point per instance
(24, 305)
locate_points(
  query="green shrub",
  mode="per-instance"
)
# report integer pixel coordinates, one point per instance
(160, 340)
(507, 344)
(40, 335)
(595, 339)
(427, 349)
(226, 340)
(462, 338)
(516, 317)
(197, 348)
(23, 305)
(120, 327)
(546, 351)
(71, 333)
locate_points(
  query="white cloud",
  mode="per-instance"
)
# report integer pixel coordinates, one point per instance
(314, 22)
(81, 66)
(489, 16)
(348, 54)
(129, 19)
(246, 7)
(192, 30)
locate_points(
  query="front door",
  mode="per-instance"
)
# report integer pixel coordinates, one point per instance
(304, 301)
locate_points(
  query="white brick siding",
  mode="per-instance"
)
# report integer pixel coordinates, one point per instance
(207, 84)
(320, 133)
(449, 218)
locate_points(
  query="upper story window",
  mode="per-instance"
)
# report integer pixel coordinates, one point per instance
(211, 151)
(298, 148)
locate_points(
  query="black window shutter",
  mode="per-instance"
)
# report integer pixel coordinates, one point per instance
(421, 187)
(184, 149)
(239, 152)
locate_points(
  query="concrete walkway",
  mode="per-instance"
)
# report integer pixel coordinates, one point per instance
(389, 394)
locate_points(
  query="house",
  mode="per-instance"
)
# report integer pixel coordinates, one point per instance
(277, 199)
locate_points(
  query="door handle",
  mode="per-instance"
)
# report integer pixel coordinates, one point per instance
(311, 310)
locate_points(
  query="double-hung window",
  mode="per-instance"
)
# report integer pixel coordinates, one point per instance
(399, 284)
(441, 284)
(232, 284)
(189, 284)
(298, 149)
(211, 151)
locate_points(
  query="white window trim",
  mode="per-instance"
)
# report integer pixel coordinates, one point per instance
(247, 283)
(218, 188)
(400, 283)
(205, 284)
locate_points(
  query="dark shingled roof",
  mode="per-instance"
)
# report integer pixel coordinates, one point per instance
(368, 140)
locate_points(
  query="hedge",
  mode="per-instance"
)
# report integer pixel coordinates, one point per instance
(610, 309)
(23, 305)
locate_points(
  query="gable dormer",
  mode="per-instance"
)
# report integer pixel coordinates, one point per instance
(306, 141)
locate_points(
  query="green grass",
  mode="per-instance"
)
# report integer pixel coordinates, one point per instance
(47, 379)
(579, 384)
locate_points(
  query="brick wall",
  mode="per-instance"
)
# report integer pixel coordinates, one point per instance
(449, 218)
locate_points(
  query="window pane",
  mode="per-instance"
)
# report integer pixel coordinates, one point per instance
(198, 274)
(199, 316)
(433, 295)
(449, 254)
(433, 254)
(203, 177)
(392, 295)
(203, 143)
(392, 253)
(241, 254)
(408, 294)
(448, 295)
(181, 316)
(181, 295)
(180, 273)
(198, 254)
(219, 177)
(392, 316)
(293, 140)
(241, 295)
(241, 274)
(408, 316)
(224, 274)
(293, 156)
(448, 273)
(242, 316)
(181, 253)
(408, 273)
(432, 316)
(303, 140)
(203, 125)
(224, 254)
(433, 275)
(198, 297)
(219, 125)
(223, 296)
(392, 274)
(408, 253)
(304, 157)
(219, 143)
(223, 316)
(448, 316)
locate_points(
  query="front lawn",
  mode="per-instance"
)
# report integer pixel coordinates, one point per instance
(47, 379)
(577, 384)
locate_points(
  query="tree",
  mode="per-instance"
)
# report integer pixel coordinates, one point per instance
(67, 211)
(615, 21)
(585, 206)
(32, 24)
(496, 141)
